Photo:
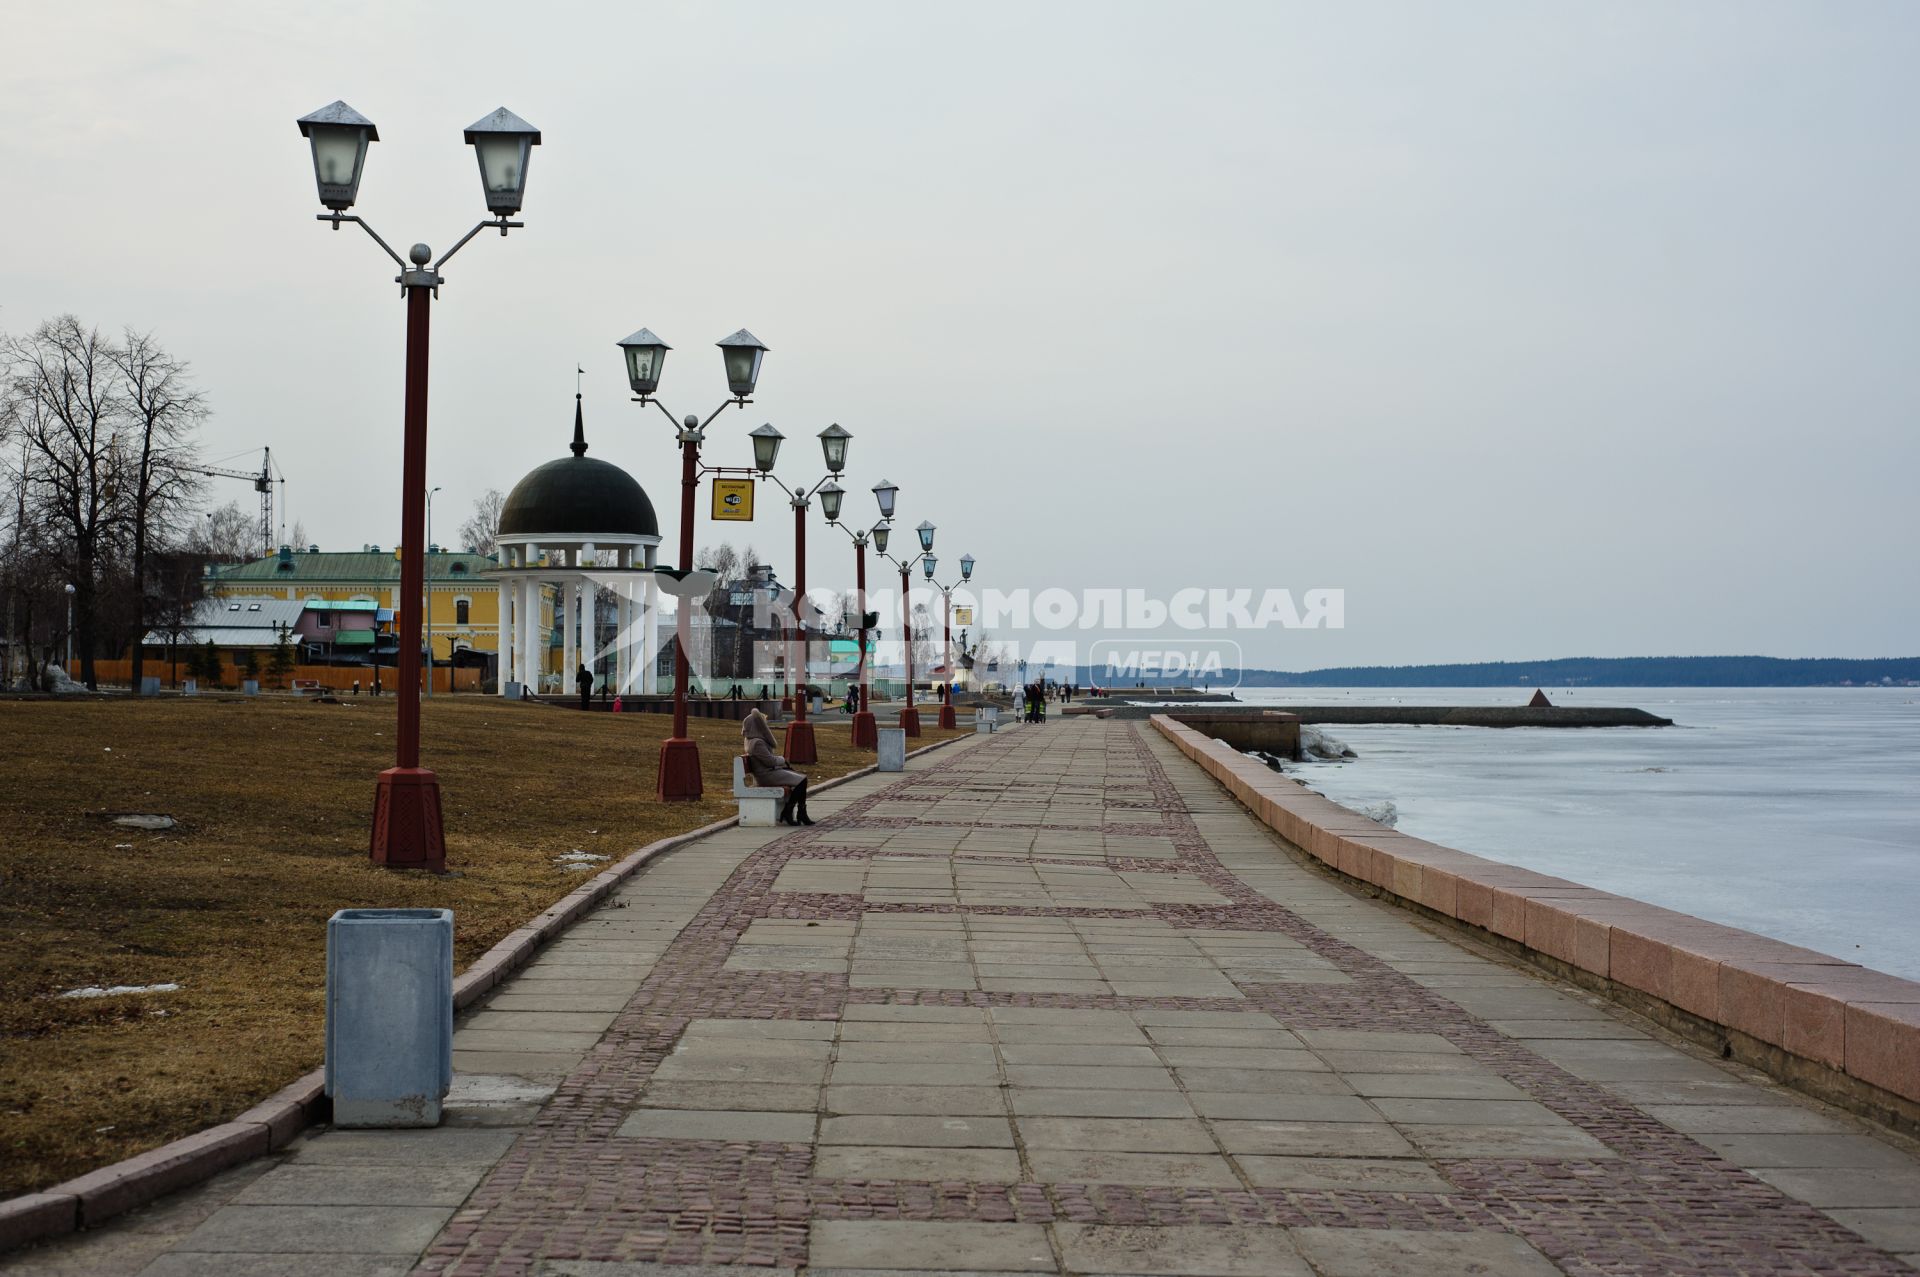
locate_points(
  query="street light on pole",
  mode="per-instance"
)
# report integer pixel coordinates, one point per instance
(741, 353)
(928, 563)
(910, 716)
(800, 746)
(407, 829)
(427, 607)
(866, 734)
(71, 591)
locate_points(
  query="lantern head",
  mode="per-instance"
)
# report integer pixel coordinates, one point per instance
(833, 443)
(742, 353)
(339, 135)
(503, 142)
(831, 495)
(645, 354)
(766, 447)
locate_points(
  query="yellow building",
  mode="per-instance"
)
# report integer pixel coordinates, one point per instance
(350, 599)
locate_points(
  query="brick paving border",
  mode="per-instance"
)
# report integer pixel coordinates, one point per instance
(571, 1188)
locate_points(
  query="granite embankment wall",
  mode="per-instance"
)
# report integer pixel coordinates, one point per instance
(1831, 1027)
(1425, 715)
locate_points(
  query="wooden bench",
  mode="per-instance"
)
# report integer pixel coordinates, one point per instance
(759, 804)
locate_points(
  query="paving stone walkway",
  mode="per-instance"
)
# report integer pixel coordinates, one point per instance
(1051, 1002)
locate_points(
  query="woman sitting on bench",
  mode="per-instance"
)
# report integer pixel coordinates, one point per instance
(769, 768)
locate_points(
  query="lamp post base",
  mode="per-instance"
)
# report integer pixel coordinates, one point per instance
(910, 720)
(800, 746)
(679, 770)
(407, 832)
(866, 731)
(947, 721)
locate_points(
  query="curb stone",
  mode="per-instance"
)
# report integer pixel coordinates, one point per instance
(89, 1200)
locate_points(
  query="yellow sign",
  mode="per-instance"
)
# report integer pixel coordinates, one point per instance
(733, 500)
(963, 616)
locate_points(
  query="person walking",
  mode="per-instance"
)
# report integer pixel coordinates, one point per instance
(769, 768)
(583, 679)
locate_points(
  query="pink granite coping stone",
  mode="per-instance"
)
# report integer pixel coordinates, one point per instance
(36, 1215)
(291, 1109)
(1810, 1004)
(138, 1180)
(1883, 1045)
(89, 1200)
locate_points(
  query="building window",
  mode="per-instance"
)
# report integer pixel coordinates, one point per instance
(458, 569)
(461, 608)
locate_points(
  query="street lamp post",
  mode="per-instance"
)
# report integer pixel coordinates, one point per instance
(71, 591)
(910, 716)
(866, 734)
(928, 564)
(407, 829)
(800, 745)
(427, 606)
(679, 777)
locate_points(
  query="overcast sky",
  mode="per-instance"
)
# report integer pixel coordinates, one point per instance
(1540, 330)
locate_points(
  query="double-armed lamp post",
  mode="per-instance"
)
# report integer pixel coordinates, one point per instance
(800, 746)
(407, 828)
(866, 734)
(910, 716)
(742, 353)
(928, 564)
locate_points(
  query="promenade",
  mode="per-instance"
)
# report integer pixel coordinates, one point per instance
(1049, 1002)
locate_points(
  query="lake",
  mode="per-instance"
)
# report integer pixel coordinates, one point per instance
(1787, 811)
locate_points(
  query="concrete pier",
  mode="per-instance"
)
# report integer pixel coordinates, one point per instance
(1053, 1000)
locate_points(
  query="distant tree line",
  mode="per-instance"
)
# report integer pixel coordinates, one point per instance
(1594, 671)
(97, 439)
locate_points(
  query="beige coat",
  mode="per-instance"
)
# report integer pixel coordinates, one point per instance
(763, 764)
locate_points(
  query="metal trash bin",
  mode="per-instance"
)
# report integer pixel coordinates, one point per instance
(389, 1015)
(893, 749)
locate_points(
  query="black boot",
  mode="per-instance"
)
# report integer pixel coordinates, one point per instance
(800, 805)
(792, 801)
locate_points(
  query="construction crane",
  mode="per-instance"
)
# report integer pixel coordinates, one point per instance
(263, 480)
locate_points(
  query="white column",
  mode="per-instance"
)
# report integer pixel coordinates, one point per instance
(616, 659)
(501, 667)
(568, 615)
(649, 635)
(524, 613)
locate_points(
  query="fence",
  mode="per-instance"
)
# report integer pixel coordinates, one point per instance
(338, 677)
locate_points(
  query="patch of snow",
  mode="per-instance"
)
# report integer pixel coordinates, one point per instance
(95, 991)
(1316, 746)
(1383, 812)
(137, 821)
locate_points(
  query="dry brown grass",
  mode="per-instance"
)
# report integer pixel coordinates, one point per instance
(273, 797)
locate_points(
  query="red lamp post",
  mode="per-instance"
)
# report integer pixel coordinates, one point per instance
(800, 744)
(408, 832)
(679, 774)
(909, 717)
(928, 563)
(866, 733)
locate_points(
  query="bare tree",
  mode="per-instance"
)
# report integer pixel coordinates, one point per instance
(299, 538)
(228, 534)
(63, 396)
(163, 409)
(481, 532)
